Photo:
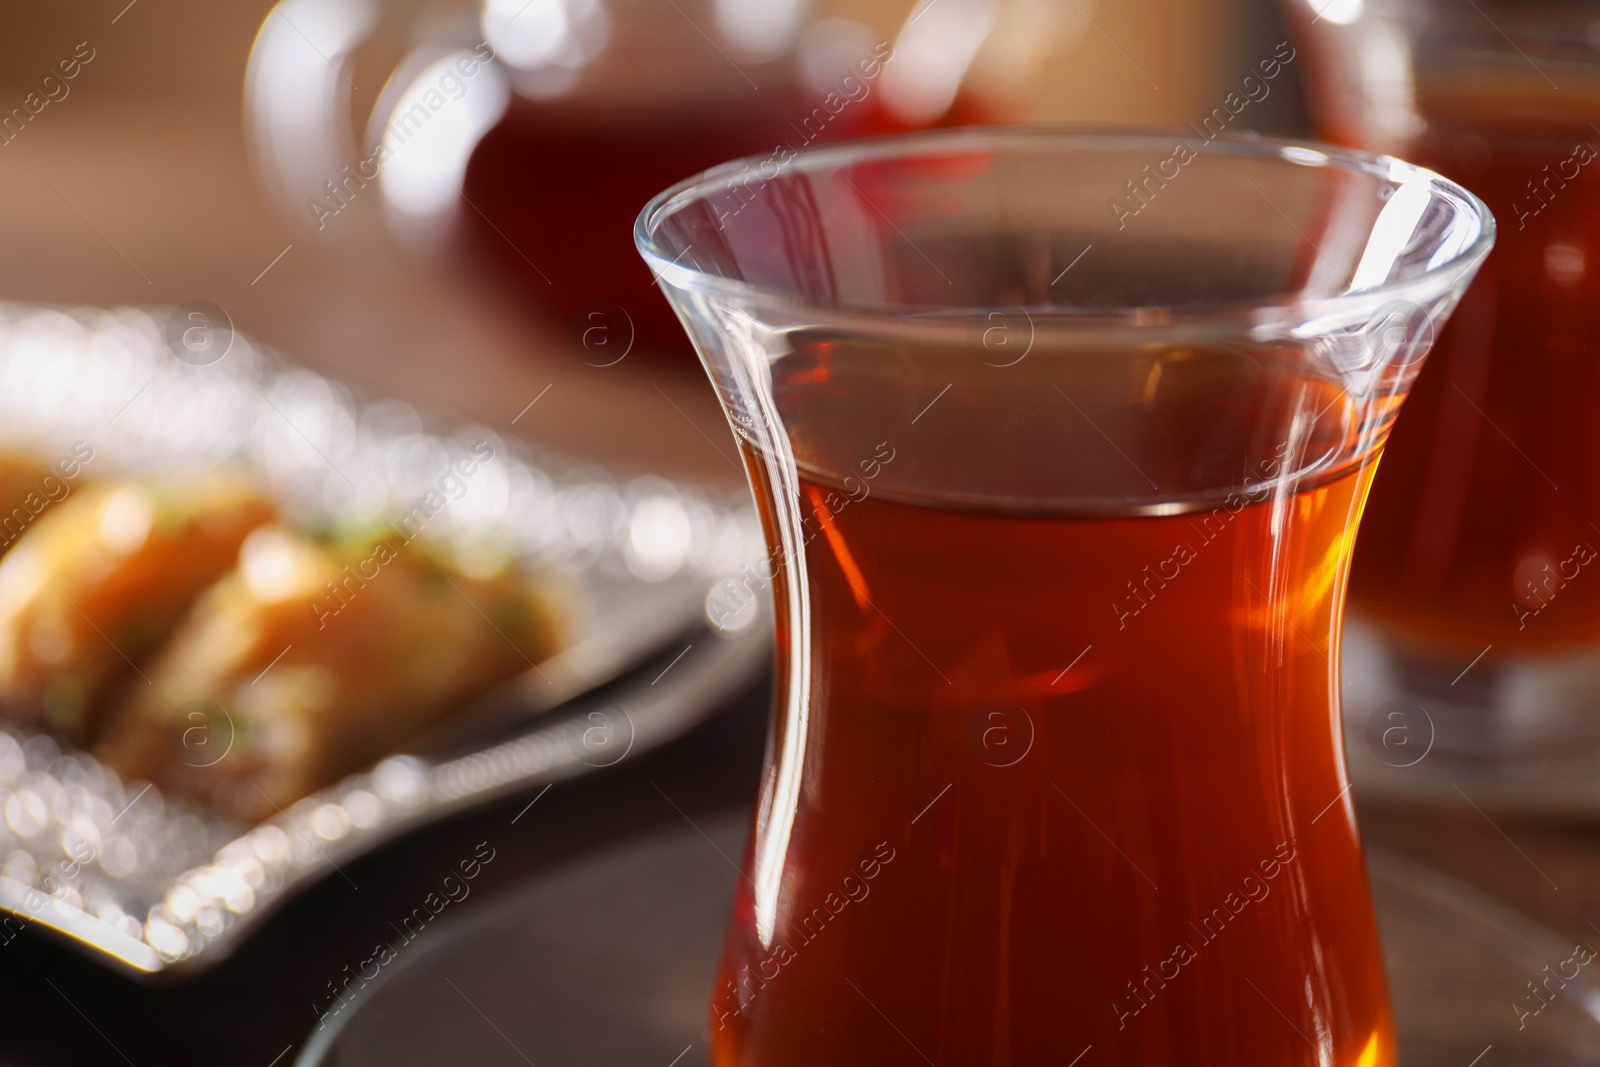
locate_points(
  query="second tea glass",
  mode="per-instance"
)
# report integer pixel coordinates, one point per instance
(1060, 441)
(1474, 659)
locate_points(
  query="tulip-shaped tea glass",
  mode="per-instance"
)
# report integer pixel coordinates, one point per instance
(1060, 441)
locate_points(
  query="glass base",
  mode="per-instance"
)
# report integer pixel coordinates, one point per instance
(609, 960)
(1522, 734)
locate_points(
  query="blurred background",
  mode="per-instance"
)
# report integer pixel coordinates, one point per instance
(145, 184)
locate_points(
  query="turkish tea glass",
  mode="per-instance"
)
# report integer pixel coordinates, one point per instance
(1059, 442)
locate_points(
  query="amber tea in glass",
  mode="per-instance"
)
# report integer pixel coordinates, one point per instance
(1059, 508)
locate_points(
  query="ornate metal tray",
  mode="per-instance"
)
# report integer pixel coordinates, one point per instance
(660, 630)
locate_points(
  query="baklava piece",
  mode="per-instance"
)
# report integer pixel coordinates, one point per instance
(315, 659)
(96, 583)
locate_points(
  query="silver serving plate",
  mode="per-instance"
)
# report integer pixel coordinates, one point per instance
(660, 630)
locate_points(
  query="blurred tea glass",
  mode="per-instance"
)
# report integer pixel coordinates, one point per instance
(1475, 598)
(1059, 486)
(522, 135)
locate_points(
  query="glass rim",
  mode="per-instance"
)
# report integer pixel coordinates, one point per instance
(1270, 307)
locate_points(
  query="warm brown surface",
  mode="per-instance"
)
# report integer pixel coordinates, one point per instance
(1546, 868)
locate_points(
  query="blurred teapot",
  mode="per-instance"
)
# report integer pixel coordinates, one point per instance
(523, 136)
